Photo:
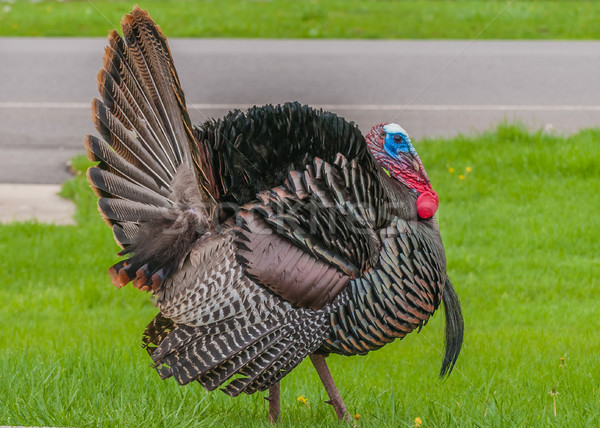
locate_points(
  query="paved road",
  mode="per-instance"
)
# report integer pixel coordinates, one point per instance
(449, 87)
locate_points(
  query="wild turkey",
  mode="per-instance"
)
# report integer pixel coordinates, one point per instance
(265, 236)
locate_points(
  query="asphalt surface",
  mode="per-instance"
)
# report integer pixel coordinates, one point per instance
(432, 88)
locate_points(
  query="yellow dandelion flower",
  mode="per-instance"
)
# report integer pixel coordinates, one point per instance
(451, 170)
(303, 401)
(357, 416)
(461, 177)
(418, 422)
(468, 169)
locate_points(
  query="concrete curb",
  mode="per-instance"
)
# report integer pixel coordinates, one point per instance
(40, 202)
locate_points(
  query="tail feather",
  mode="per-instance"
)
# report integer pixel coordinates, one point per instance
(126, 63)
(146, 179)
(110, 184)
(454, 329)
(100, 151)
(154, 57)
(125, 143)
(125, 233)
(122, 210)
(124, 110)
(120, 65)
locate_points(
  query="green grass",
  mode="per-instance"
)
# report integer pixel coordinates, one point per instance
(411, 19)
(521, 235)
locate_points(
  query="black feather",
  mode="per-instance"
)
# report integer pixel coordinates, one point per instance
(454, 329)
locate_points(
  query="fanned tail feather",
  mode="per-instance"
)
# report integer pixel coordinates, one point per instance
(150, 187)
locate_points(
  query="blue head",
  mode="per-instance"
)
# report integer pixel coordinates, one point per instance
(391, 147)
(397, 140)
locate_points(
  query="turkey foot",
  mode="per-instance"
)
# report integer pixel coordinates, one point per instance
(274, 402)
(335, 399)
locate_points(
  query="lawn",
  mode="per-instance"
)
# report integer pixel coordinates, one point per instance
(518, 214)
(378, 19)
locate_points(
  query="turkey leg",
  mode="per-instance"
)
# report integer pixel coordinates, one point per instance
(335, 399)
(274, 402)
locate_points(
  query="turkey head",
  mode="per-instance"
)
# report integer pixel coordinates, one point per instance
(391, 147)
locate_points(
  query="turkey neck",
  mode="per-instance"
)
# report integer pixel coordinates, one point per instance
(403, 203)
(403, 200)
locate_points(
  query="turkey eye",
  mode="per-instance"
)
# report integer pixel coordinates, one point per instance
(382, 134)
(397, 138)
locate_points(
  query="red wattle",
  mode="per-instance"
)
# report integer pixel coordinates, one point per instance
(427, 204)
